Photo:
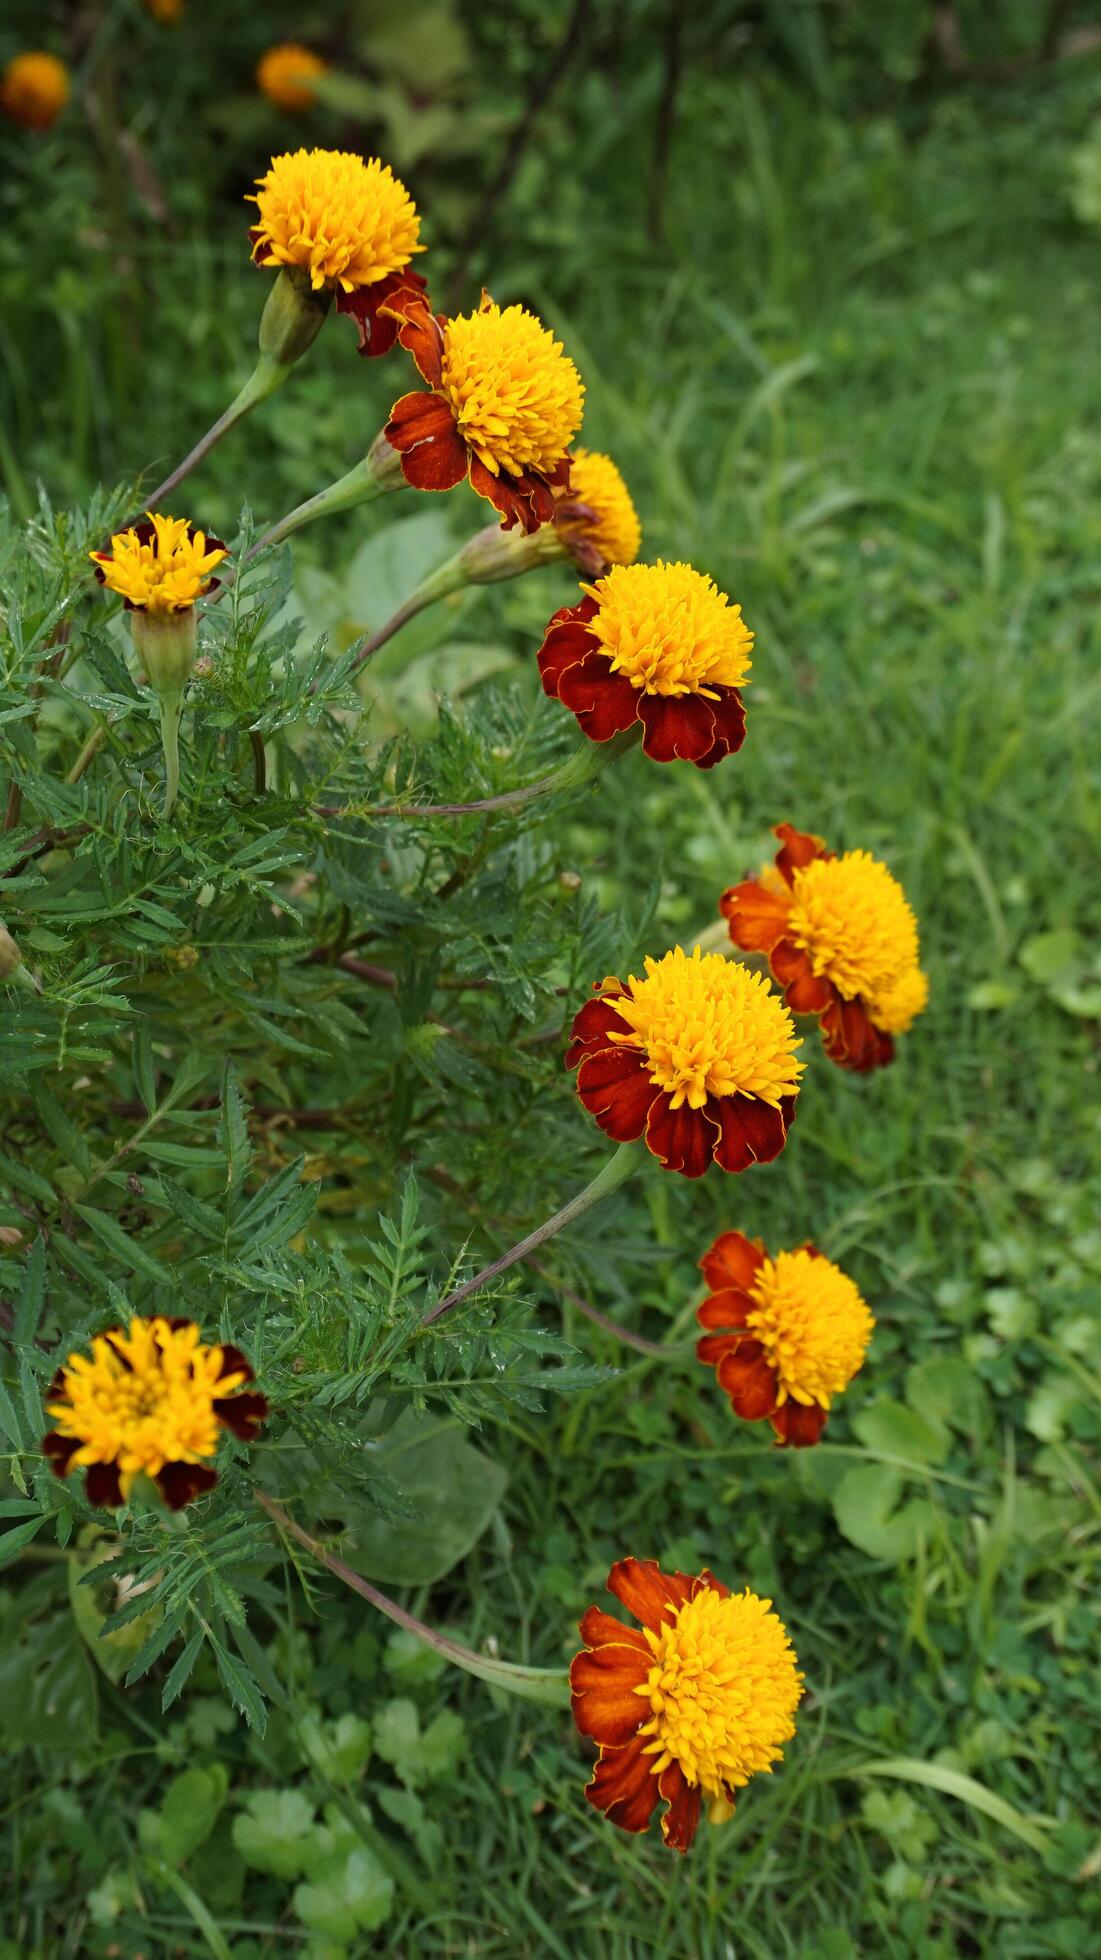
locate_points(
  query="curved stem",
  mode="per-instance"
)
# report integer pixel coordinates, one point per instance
(543, 1684)
(88, 753)
(616, 1170)
(582, 767)
(265, 378)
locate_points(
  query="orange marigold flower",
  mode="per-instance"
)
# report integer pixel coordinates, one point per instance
(698, 1057)
(503, 404)
(160, 566)
(842, 941)
(348, 226)
(795, 1331)
(149, 1401)
(658, 644)
(595, 515)
(34, 89)
(686, 1710)
(285, 74)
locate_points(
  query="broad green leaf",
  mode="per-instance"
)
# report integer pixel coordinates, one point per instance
(889, 1428)
(455, 1489)
(275, 1832)
(864, 1507)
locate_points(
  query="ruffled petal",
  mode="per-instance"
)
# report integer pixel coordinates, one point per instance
(798, 1423)
(59, 1450)
(733, 1260)
(605, 1704)
(624, 1786)
(653, 1596)
(749, 1381)
(103, 1486)
(683, 1139)
(179, 1483)
(525, 499)
(751, 1131)
(729, 1308)
(565, 644)
(852, 1039)
(678, 726)
(598, 1628)
(614, 1085)
(679, 1824)
(592, 1024)
(729, 713)
(797, 848)
(713, 1348)
(243, 1414)
(757, 918)
(419, 330)
(377, 334)
(604, 703)
(805, 991)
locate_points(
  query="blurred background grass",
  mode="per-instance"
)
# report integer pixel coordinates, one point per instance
(829, 274)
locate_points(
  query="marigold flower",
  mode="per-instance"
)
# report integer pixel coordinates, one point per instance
(285, 73)
(34, 89)
(698, 1057)
(151, 1401)
(842, 941)
(659, 644)
(161, 566)
(687, 1710)
(348, 226)
(596, 518)
(504, 402)
(167, 12)
(795, 1331)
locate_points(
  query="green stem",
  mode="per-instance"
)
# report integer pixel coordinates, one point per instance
(171, 706)
(266, 377)
(374, 474)
(583, 767)
(88, 753)
(549, 1685)
(616, 1170)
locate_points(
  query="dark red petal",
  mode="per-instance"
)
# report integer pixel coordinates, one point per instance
(797, 848)
(565, 643)
(598, 1629)
(524, 499)
(234, 1363)
(624, 1786)
(798, 1424)
(733, 1260)
(653, 1596)
(603, 1684)
(179, 1483)
(377, 335)
(713, 1348)
(749, 1381)
(682, 1139)
(757, 918)
(852, 1039)
(805, 991)
(419, 417)
(592, 1024)
(678, 1826)
(102, 1486)
(604, 703)
(678, 726)
(243, 1414)
(615, 1087)
(419, 330)
(752, 1132)
(436, 465)
(728, 1308)
(60, 1450)
(729, 728)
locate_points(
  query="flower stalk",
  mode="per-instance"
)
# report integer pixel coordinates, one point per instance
(375, 474)
(485, 559)
(547, 1685)
(615, 1172)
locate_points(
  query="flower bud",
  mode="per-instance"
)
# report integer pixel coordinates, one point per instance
(293, 317)
(493, 554)
(12, 968)
(166, 645)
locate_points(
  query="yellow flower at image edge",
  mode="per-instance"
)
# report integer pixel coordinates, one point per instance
(34, 89)
(285, 72)
(149, 1401)
(161, 566)
(686, 1710)
(596, 516)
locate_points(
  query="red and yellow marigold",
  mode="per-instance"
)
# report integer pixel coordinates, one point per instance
(656, 644)
(698, 1057)
(503, 403)
(346, 225)
(785, 1335)
(687, 1709)
(160, 566)
(841, 939)
(150, 1401)
(286, 72)
(34, 89)
(595, 515)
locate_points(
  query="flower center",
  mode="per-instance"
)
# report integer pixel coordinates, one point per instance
(853, 919)
(347, 222)
(669, 629)
(598, 485)
(812, 1323)
(143, 1399)
(723, 1687)
(709, 1027)
(162, 567)
(516, 396)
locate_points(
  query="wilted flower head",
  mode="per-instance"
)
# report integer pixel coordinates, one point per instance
(504, 402)
(794, 1332)
(161, 566)
(34, 89)
(686, 1710)
(596, 517)
(841, 939)
(658, 644)
(698, 1057)
(285, 73)
(149, 1401)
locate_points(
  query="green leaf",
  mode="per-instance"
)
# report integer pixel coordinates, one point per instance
(889, 1428)
(352, 1894)
(47, 1688)
(93, 1603)
(945, 1390)
(132, 1254)
(455, 1489)
(340, 1750)
(864, 1507)
(953, 1783)
(275, 1832)
(1048, 955)
(188, 1813)
(12, 1542)
(419, 1756)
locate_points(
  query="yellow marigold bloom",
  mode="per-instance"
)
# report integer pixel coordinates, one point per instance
(344, 222)
(515, 395)
(842, 941)
(34, 89)
(698, 1055)
(785, 1335)
(149, 1401)
(596, 517)
(161, 566)
(687, 1710)
(285, 73)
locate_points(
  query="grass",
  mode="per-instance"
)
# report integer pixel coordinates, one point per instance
(860, 388)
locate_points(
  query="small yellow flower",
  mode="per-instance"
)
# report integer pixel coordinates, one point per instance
(596, 517)
(150, 1400)
(344, 222)
(161, 566)
(285, 73)
(34, 89)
